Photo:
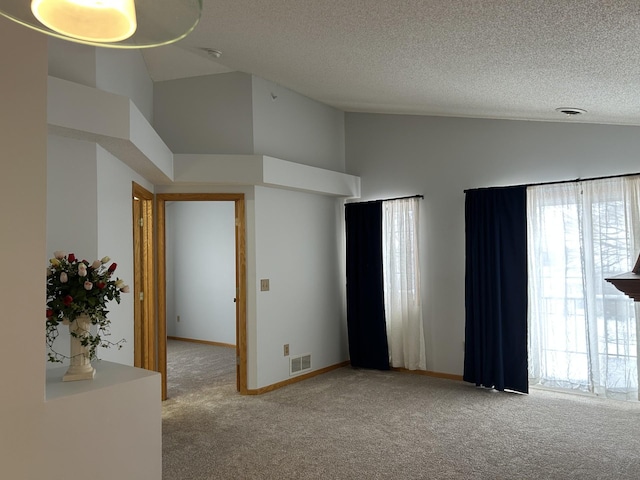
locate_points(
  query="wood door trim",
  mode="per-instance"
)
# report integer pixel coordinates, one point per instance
(241, 279)
(161, 268)
(145, 329)
(138, 350)
(241, 296)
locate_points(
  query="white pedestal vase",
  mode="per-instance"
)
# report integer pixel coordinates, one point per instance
(80, 363)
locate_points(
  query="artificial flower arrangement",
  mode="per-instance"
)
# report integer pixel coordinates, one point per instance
(76, 287)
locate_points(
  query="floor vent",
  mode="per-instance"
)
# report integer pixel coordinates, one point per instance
(299, 364)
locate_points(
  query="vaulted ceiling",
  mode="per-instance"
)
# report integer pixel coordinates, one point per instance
(514, 59)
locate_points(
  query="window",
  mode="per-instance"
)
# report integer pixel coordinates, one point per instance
(401, 271)
(582, 330)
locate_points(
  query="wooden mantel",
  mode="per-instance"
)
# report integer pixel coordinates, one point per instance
(628, 283)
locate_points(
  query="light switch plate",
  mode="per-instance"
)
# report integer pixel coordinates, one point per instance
(264, 285)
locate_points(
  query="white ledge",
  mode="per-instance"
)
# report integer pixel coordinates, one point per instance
(198, 169)
(108, 374)
(115, 123)
(112, 121)
(121, 406)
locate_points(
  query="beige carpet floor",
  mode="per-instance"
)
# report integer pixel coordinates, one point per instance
(362, 424)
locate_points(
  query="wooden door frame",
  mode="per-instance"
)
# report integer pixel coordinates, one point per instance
(241, 279)
(143, 288)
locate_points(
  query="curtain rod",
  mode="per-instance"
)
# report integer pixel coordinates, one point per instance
(558, 182)
(388, 199)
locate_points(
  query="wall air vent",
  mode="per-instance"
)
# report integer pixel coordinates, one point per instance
(299, 364)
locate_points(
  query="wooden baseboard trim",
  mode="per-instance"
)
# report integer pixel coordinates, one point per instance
(299, 378)
(206, 342)
(428, 373)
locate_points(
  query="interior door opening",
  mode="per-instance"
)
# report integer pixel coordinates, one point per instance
(236, 296)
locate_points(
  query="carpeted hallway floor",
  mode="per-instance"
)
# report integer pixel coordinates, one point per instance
(361, 424)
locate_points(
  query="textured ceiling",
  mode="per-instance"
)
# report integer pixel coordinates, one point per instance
(517, 59)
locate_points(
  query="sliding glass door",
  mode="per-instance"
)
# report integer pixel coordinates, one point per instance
(582, 331)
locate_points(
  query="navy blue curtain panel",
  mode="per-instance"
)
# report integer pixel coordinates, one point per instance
(366, 328)
(496, 288)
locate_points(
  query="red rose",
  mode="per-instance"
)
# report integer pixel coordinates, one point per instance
(112, 267)
(68, 300)
(101, 285)
(72, 257)
(49, 313)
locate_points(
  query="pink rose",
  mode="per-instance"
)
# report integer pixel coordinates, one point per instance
(125, 289)
(96, 264)
(88, 285)
(82, 270)
(59, 254)
(63, 277)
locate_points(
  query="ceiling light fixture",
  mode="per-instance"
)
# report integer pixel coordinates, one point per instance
(108, 23)
(96, 21)
(571, 112)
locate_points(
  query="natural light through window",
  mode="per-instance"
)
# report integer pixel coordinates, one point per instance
(582, 330)
(402, 298)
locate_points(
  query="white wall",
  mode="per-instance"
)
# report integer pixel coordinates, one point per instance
(72, 206)
(295, 128)
(440, 157)
(235, 113)
(136, 84)
(207, 114)
(89, 210)
(122, 72)
(119, 412)
(115, 239)
(201, 251)
(72, 180)
(296, 249)
(23, 195)
(72, 61)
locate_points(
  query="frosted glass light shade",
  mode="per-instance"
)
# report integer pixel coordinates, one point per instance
(130, 24)
(92, 20)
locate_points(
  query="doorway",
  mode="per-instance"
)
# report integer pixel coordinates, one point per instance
(240, 280)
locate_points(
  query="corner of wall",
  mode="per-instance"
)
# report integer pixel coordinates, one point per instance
(221, 101)
(72, 61)
(293, 127)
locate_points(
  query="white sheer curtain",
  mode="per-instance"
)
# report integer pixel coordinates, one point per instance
(401, 268)
(582, 330)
